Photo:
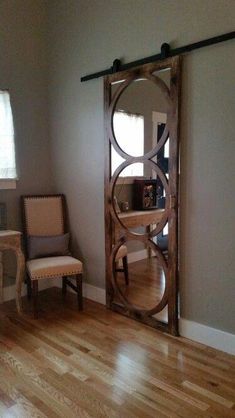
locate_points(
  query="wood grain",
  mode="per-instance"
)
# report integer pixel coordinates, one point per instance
(169, 214)
(11, 240)
(97, 363)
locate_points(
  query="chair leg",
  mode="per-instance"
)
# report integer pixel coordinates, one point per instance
(64, 286)
(125, 270)
(35, 299)
(79, 291)
(29, 287)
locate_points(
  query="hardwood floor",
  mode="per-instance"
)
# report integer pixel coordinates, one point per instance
(97, 363)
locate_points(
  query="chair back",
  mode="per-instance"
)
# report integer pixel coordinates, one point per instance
(43, 215)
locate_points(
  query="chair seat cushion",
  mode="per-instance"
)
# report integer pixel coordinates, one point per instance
(122, 252)
(42, 268)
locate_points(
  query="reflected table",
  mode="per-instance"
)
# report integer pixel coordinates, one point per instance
(135, 218)
(11, 240)
(138, 218)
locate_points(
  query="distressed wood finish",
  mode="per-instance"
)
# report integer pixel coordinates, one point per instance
(11, 240)
(114, 221)
(99, 364)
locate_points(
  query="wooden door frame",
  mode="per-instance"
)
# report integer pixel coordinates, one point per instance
(172, 209)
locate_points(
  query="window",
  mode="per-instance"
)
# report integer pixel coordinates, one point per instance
(7, 144)
(129, 129)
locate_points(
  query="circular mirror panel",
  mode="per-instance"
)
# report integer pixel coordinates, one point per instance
(140, 198)
(138, 111)
(139, 276)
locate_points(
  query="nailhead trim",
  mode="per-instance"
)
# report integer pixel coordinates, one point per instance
(55, 275)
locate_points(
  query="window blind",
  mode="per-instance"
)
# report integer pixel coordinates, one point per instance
(7, 143)
(129, 131)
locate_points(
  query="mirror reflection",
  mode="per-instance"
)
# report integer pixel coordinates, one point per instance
(140, 198)
(139, 123)
(139, 275)
(136, 116)
(141, 119)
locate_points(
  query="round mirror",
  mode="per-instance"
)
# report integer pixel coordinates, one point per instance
(141, 106)
(139, 276)
(140, 199)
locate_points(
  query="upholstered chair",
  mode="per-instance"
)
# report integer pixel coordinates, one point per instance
(122, 255)
(47, 245)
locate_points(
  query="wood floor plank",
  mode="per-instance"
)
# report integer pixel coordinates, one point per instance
(89, 399)
(98, 364)
(208, 394)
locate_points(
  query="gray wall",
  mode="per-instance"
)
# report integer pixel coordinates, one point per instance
(85, 37)
(23, 70)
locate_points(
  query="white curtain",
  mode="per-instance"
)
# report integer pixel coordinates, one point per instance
(129, 132)
(7, 144)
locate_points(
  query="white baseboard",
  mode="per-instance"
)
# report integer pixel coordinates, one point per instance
(97, 294)
(204, 334)
(94, 293)
(9, 292)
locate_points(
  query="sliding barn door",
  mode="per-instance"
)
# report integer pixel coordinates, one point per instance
(141, 193)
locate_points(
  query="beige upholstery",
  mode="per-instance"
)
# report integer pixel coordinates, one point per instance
(44, 215)
(43, 268)
(122, 252)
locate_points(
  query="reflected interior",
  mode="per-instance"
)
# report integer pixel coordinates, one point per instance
(139, 201)
(139, 275)
(139, 195)
(137, 114)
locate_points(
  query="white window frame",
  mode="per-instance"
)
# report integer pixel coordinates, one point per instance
(9, 183)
